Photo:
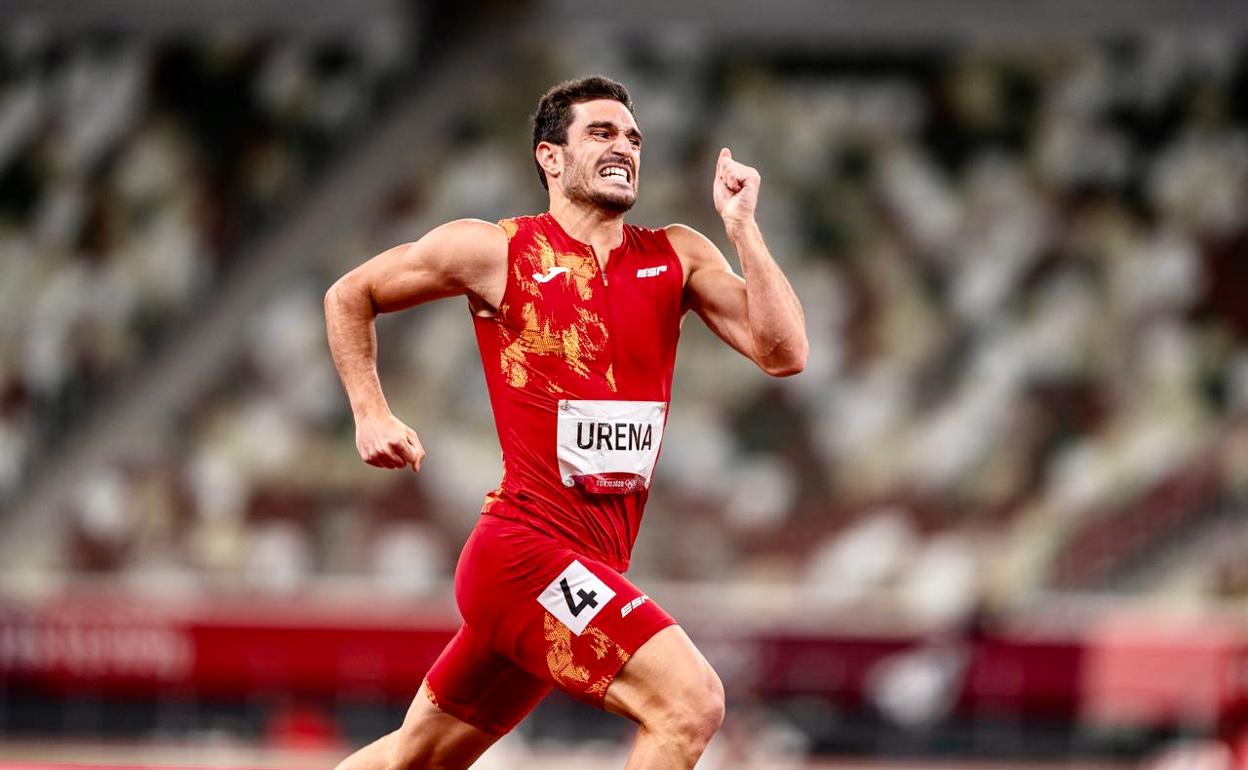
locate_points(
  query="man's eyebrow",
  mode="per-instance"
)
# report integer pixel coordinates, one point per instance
(631, 133)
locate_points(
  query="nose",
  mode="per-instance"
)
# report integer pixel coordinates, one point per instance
(622, 145)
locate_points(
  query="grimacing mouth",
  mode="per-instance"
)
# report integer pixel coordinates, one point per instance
(614, 169)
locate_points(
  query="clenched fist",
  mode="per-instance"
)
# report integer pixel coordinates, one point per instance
(735, 190)
(387, 443)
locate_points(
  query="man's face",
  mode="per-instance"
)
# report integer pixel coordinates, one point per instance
(603, 155)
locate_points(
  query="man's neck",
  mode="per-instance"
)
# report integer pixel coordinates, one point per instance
(589, 224)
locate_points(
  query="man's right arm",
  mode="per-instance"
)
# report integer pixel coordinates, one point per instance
(465, 257)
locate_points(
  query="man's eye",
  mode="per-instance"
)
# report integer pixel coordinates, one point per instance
(635, 142)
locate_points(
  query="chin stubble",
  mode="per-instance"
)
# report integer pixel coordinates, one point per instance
(579, 187)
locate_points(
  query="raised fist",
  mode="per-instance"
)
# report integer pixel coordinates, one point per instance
(735, 190)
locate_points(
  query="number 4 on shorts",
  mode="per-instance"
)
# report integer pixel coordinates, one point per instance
(575, 597)
(588, 598)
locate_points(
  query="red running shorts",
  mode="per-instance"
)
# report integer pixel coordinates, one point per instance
(537, 614)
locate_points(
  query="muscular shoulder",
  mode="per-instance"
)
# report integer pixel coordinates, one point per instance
(693, 248)
(472, 253)
(470, 241)
(467, 256)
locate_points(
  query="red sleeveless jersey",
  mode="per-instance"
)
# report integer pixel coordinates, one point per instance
(578, 361)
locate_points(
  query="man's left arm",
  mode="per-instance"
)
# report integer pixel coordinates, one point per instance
(758, 315)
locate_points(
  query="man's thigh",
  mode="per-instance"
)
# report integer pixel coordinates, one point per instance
(479, 687)
(666, 670)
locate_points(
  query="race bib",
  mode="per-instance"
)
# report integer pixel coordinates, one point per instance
(609, 447)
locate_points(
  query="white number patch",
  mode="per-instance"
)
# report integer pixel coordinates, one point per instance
(575, 597)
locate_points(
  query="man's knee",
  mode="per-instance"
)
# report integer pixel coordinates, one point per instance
(409, 746)
(671, 691)
(690, 713)
(385, 753)
(403, 749)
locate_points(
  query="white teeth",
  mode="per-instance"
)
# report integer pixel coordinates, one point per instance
(616, 172)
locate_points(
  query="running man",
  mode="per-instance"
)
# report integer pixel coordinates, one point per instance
(577, 315)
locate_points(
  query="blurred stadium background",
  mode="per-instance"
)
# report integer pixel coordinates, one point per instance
(1000, 521)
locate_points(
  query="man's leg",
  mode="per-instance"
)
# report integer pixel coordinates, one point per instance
(669, 689)
(429, 738)
(471, 697)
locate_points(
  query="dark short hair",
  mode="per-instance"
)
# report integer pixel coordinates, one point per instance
(554, 109)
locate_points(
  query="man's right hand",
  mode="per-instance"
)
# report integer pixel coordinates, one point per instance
(387, 443)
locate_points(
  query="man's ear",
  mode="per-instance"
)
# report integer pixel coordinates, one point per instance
(550, 158)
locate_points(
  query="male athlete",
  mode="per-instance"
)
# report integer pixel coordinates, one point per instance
(577, 316)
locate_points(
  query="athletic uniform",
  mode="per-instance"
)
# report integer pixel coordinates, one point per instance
(578, 361)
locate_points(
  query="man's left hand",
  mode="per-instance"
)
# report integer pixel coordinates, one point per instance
(735, 191)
